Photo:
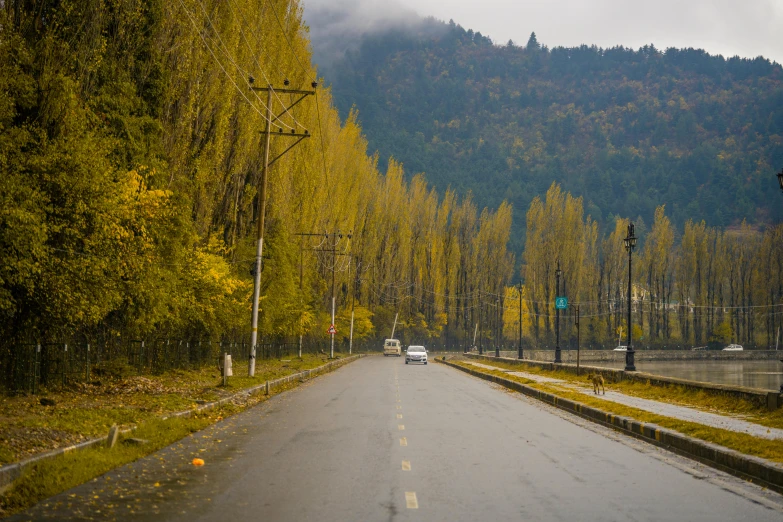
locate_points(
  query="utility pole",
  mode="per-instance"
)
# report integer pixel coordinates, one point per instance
(353, 303)
(333, 250)
(520, 321)
(301, 273)
(334, 297)
(262, 199)
(394, 326)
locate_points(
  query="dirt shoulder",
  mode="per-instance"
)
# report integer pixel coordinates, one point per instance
(52, 419)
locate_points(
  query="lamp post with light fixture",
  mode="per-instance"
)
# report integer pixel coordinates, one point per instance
(630, 244)
(558, 274)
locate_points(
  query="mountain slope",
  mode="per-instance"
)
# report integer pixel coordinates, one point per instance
(627, 130)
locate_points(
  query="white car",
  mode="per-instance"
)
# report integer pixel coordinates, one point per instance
(733, 348)
(621, 348)
(416, 354)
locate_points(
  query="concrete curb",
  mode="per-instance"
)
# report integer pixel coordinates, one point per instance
(10, 472)
(747, 467)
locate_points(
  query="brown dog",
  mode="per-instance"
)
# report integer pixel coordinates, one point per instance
(598, 381)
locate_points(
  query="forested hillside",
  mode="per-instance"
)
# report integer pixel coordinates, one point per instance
(628, 130)
(130, 159)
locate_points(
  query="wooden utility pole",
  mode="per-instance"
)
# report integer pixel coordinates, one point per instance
(353, 303)
(262, 199)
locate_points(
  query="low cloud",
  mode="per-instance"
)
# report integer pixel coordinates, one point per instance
(338, 25)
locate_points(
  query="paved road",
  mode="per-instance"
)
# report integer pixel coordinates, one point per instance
(338, 448)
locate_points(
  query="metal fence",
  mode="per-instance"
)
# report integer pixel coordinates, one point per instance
(29, 367)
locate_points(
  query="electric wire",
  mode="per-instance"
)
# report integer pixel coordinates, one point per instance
(195, 26)
(255, 58)
(317, 105)
(245, 76)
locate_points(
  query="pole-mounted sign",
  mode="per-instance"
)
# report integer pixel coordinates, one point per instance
(332, 330)
(561, 303)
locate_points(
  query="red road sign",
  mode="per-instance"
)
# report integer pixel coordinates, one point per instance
(332, 330)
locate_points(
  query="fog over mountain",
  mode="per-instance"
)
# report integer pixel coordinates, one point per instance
(337, 25)
(747, 29)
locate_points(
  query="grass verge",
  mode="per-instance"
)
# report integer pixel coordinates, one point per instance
(88, 410)
(52, 476)
(673, 394)
(767, 449)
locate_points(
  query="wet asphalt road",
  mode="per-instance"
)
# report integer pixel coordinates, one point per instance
(381, 440)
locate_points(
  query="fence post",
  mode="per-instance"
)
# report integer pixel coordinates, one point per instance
(36, 367)
(225, 368)
(65, 361)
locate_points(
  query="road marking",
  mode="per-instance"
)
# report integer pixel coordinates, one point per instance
(410, 500)
(398, 400)
(399, 415)
(401, 427)
(406, 465)
(403, 441)
(399, 407)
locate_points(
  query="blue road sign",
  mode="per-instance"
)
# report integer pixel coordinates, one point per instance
(561, 303)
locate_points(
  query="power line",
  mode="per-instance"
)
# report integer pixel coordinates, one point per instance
(255, 58)
(224, 49)
(315, 82)
(195, 26)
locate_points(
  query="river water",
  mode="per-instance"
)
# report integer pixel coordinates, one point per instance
(766, 375)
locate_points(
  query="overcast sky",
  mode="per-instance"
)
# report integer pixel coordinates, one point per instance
(747, 28)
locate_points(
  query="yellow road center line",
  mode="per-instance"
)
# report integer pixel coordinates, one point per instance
(399, 415)
(399, 407)
(406, 465)
(410, 500)
(404, 441)
(401, 427)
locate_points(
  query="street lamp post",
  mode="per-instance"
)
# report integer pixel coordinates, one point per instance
(630, 243)
(481, 326)
(558, 273)
(520, 321)
(497, 327)
(780, 179)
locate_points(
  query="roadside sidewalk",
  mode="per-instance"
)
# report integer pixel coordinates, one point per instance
(661, 408)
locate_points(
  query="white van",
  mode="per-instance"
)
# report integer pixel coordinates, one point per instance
(392, 347)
